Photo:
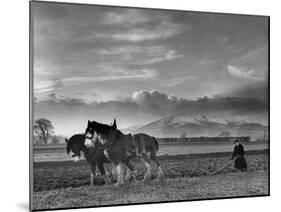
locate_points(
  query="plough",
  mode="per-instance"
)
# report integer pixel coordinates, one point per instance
(217, 170)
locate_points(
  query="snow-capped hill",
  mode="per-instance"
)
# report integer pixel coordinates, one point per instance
(200, 125)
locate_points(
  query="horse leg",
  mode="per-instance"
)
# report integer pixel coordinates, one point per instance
(103, 173)
(113, 171)
(128, 175)
(160, 175)
(130, 171)
(93, 174)
(120, 180)
(116, 162)
(147, 163)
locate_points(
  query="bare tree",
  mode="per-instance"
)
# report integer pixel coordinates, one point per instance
(43, 128)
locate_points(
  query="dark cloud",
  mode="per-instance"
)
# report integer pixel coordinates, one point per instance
(47, 10)
(257, 90)
(163, 104)
(87, 42)
(88, 60)
(146, 106)
(158, 104)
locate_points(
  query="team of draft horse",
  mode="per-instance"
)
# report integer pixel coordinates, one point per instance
(102, 143)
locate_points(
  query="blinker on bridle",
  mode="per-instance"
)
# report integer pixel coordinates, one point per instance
(91, 132)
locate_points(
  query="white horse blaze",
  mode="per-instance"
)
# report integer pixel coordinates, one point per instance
(76, 158)
(88, 142)
(88, 134)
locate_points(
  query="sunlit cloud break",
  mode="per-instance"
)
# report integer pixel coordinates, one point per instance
(245, 73)
(128, 18)
(179, 80)
(165, 30)
(170, 55)
(133, 54)
(44, 86)
(124, 75)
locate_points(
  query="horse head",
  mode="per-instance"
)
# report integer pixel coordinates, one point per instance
(89, 132)
(101, 133)
(75, 145)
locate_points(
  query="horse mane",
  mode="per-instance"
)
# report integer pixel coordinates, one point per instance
(103, 128)
(74, 139)
(75, 136)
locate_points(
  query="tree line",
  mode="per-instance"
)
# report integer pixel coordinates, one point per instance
(44, 132)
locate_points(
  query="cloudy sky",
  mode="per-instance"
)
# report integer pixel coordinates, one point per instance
(97, 63)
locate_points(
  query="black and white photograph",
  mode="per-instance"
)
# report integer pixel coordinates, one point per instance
(138, 105)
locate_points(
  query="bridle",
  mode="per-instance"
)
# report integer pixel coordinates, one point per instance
(96, 136)
(91, 131)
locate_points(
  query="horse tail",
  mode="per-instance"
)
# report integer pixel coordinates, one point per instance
(156, 143)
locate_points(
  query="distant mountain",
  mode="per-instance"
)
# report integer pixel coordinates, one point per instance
(200, 125)
(131, 129)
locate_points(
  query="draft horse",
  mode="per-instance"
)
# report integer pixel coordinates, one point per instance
(94, 154)
(118, 145)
